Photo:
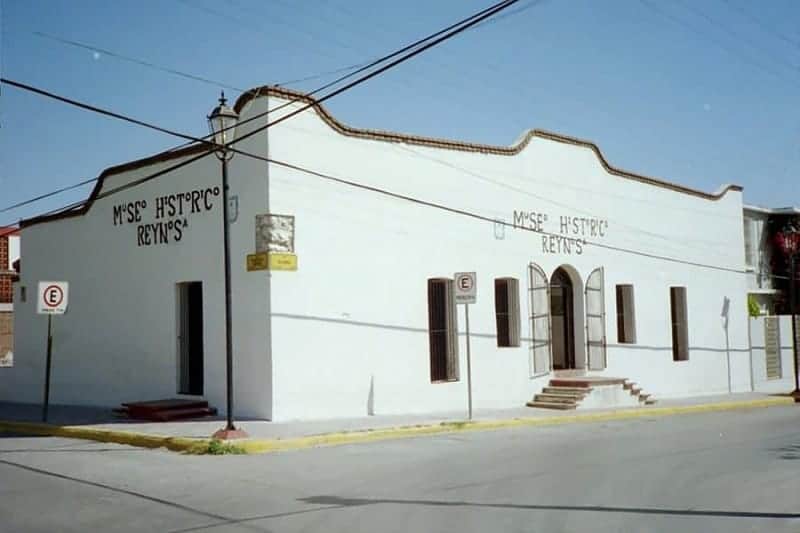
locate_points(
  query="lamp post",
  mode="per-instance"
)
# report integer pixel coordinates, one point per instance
(222, 123)
(791, 246)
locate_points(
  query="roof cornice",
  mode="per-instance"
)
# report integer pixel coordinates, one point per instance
(379, 135)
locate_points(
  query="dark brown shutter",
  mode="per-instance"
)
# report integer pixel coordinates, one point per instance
(680, 337)
(442, 330)
(501, 312)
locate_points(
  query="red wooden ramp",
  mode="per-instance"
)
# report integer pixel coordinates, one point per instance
(166, 410)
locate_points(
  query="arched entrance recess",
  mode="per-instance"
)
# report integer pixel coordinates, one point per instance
(562, 319)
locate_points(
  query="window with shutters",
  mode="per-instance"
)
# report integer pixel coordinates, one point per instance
(442, 330)
(680, 332)
(506, 309)
(626, 315)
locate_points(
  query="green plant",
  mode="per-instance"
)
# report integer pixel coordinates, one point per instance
(752, 306)
(217, 447)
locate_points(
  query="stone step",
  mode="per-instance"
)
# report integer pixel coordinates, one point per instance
(583, 391)
(560, 398)
(552, 405)
(635, 391)
(650, 401)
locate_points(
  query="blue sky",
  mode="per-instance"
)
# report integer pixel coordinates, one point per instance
(698, 92)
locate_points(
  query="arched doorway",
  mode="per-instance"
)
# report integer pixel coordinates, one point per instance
(562, 312)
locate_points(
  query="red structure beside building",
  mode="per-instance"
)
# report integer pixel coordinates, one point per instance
(9, 265)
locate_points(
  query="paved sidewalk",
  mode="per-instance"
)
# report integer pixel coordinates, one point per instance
(103, 419)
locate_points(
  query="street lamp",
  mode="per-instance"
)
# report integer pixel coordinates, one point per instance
(790, 242)
(222, 123)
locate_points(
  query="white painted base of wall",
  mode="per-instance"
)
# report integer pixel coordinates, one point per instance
(605, 396)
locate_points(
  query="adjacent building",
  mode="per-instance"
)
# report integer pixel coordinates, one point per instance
(766, 260)
(9, 262)
(582, 267)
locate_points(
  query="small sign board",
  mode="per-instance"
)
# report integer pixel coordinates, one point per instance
(53, 297)
(257, 261)
(271, 261)
(466, 287)
(278, 261)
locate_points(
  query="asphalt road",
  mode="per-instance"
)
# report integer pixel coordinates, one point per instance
(727, 472)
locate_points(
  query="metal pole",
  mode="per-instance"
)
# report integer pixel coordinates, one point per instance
(793, 299)
(47, 367)
(469, 365)
(228, 332)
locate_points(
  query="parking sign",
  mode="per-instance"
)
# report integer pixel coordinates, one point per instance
(466, 287)
(52, 298)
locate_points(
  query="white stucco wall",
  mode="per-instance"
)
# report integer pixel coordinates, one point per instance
(118, 340)
(350, 326)
(347, 333)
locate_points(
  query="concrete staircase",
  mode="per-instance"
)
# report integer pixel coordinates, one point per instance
(590, 392)
(165, 410)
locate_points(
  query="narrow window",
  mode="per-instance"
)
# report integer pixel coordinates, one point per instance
(506, 308)
(626, 315)
(442, 330)
(680, 334)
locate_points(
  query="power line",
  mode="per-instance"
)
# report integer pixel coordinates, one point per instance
(415, 48)
(383, 192)
(475, 19)
(135, 60)
(175, 72)
(765, 68)
(211, 145)
(734, 34)
(112, 114)
(47, 195)
(335, 179)
(322, 88)
(440, 36)
(763, 25)
(468, 21)
(139, 181)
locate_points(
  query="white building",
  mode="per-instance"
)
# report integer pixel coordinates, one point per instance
(645, 276)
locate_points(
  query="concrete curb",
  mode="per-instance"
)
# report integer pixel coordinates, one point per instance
(199, 446)
(140, 440)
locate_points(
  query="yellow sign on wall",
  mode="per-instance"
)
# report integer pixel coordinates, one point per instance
(282, 261)
(271, 261)
(257, 262)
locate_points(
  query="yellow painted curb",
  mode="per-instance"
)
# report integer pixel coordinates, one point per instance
(188, 445)
(334, 439)
(141, 440)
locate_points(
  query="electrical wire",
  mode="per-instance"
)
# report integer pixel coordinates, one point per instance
(765, 68)
(487, 13)
(312, 93)
(738, 38)
(175, 72)
(761, 23)
(47, 195)
(483, 14)
(329, 177)
(135, 60)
